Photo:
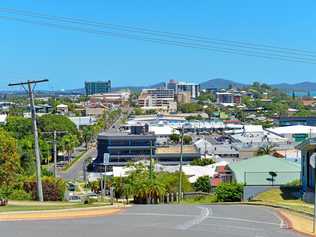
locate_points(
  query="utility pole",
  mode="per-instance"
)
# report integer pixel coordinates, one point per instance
(180, 168)
(55, 133)
(30, 89)
(151, 162)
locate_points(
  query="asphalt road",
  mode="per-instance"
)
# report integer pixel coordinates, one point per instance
(162, 221)
(76, 170)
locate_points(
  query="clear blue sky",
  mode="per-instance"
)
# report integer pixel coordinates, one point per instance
(69, 58)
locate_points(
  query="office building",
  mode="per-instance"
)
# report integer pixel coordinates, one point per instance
(157, 99)
(96, 87)
(118, 148)
(177, 87)
(228, 98)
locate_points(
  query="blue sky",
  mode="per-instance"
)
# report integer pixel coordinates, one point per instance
(69, 58)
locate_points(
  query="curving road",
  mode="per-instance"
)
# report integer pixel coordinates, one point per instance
(162, 220)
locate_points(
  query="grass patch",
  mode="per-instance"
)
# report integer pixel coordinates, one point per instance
(12, 208)
(200, 200)
(284, 197)
(68, 165)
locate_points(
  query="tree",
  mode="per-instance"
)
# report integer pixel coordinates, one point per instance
(9, 160)
(27, 158)
(87, 135)
(19, 127)
(187, 139)
(190, 107)
(174, 138)
(203, 184)
(69, 142)
(51, 122)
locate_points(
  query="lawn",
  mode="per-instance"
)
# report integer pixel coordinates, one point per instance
(200, 200)
(13, 207)
(285, 198)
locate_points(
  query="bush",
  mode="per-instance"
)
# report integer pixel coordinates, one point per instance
(19, 195)
(229, 192)
(202, 162)
(4, 193)
(53, 188)
(14, 194)
(203, 184)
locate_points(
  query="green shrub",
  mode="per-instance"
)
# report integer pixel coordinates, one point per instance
(294, 183)
(14, 194)
(203, 184)
(19, 195)
(229, 192)
(5, 192)
(53, 188)
(202, 162)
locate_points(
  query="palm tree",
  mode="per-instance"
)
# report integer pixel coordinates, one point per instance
(69, 142)
(265, 150)
(156, 189)
(87, 135)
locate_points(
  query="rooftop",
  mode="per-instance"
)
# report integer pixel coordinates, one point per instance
(176, 149)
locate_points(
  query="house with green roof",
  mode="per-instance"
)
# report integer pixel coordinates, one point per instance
(264, 170)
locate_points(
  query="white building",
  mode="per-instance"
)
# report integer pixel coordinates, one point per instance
(177, 87)
(83, 121)
(62, 109)
(157, 99)
(3, 119)
(295, 133)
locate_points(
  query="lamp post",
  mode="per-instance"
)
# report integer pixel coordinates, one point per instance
(180, 167)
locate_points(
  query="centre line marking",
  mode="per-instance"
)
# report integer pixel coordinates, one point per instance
(197, 220)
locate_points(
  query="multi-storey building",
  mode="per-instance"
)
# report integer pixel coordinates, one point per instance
(158, 99)
(177, 87)
(118, 148)
(228, 98)
(95, 87)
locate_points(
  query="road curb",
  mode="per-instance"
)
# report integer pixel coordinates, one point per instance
(59, 214)
(290, 224)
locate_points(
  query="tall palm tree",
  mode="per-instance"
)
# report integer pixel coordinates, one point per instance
(87, 135)
(69, 142)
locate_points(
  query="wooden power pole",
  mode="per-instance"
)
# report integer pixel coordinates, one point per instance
(30, 89)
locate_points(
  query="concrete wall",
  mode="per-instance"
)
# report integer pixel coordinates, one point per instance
(252, 191)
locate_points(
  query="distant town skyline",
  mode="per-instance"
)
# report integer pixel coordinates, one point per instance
(68, 58)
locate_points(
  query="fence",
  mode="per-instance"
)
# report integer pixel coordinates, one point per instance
(271, 178)
(257, 182)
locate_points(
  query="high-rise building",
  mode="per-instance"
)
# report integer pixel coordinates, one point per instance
(97, 87)
(192, 88)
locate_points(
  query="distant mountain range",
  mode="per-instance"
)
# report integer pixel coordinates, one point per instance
(301, 86)
(224, 84)
(220, 84)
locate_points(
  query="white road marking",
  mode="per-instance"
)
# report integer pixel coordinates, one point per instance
(197, 220)
(154, 214)
(242, 220)
(233, 227)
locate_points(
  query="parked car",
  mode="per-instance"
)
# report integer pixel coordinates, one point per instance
(74, 198)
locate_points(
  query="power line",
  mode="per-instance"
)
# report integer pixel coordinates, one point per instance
(227, 50)
(160, 33)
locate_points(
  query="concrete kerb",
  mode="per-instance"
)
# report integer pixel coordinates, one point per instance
(62, 214)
